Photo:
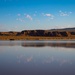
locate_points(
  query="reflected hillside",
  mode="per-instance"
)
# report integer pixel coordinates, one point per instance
(38, 43)
(10, 43)
(49, 44)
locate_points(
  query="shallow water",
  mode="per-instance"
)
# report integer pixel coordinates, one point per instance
(37, 58)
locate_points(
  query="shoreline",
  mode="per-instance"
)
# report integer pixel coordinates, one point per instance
(35, 38)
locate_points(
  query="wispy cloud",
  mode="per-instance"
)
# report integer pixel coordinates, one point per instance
(29, 17)
(70, 12)
(64, 13)
(61, 62)
(19, 19)
(48, 15)
(18, 14)
(34, 14)
(29, 59)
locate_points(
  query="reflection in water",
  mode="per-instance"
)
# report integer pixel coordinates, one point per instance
(51, 44)
(33, 58)
(65, 44)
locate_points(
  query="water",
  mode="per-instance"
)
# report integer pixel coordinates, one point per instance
(37, 58)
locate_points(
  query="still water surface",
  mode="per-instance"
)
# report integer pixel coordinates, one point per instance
(37, 58)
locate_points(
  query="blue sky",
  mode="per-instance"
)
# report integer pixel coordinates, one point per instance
(18, 15)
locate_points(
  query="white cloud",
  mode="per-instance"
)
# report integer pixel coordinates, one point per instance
(21, 20)
(48, 15)
(29, 17)
(19, 14)
(43, 14)
(70, 12)
(52, 18)
(64, 13)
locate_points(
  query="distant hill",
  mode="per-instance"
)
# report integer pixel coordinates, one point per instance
(65, 32)
(65, 29)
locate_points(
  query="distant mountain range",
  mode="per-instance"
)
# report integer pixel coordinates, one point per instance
(61, 29)
(64, 29)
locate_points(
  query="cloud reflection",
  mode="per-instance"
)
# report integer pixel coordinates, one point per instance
(29, 59)
(61, 62)
(46, 60)
(24, 59)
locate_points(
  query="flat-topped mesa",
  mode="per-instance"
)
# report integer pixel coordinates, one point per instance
(38, 34)
(50, 33)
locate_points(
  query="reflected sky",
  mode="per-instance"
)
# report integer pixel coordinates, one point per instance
(19, 58)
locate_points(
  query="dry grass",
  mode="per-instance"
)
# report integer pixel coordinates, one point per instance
(34, 38)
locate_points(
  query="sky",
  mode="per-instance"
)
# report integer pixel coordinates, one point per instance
(18, 15)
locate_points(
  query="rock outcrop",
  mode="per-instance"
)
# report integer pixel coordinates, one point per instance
(44, 33)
